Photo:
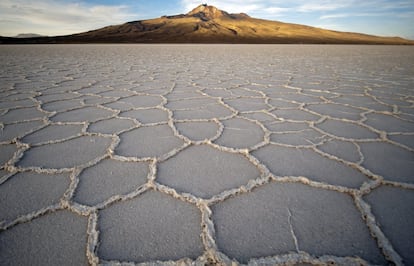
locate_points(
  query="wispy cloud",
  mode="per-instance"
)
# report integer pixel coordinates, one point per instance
(348, 15)
(277, 10)
(312, 7)
(58, 17)
(333, 16)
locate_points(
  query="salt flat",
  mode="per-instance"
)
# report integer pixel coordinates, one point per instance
(206, 154)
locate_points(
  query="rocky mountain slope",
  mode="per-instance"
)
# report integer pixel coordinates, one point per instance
(207, 24)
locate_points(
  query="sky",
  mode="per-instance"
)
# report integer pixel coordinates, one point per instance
(61, 17)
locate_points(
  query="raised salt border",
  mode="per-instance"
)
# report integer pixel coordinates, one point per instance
(206, 154)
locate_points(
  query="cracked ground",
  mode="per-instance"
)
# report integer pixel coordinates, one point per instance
(206, 155)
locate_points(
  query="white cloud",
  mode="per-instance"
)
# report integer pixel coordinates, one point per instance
(328, 6)
(348, 15)
(333, 16)
(277, 10)
(57, 17)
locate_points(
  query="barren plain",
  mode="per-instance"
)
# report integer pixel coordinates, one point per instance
(206, 155)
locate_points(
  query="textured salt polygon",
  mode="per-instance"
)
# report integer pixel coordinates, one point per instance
(27, 192)
(336, 110)
(108, 178)
(20, 114)
(393, 209)
(198, 131)
(240, 133)
(407, 140)
(177, 95)
(245, 93)
(111, 126)
(57, 96)
(398, 167)
(346, 130)
(363, 102)
(259, 116)
(3, 173)
(141, 101)
(6, 152)
(204, 112)
(147, 116)
(285, 161)
(66, 154)
(389, 123)
(148, 142)
(53, 133)
(301, 98)
(94, 100)
(95, 89)
(60, 106)
(286, 126)
(266, 83)
(21, 93)
(407, 110)
(394, 101)
(204, 171)
(15, 104)
(150, 91)
(116, 93)
(118, 106)
(280, 103)
(341, 149)
(151, 227)
(277, 91)
(408, 116)
(295, 115)
(302, 137)
(386, 94)
(270, 219)
(91, 114)
(12, 131)
(318, 92)
(247, 104)
(54, 239)
(218, 93)
(190, 103)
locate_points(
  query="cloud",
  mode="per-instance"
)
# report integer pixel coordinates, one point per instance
(57, 17)
(347, 15)
(277, 10)
(321, 6)
(333, 16)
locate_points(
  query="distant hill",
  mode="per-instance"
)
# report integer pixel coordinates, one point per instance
(28, 35)
(207, 24)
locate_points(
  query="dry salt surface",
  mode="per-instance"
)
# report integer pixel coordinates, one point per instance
(206, 155)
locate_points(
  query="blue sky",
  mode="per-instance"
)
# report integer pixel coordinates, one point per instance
(60, 17)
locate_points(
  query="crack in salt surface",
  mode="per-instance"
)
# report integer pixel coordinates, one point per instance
(105, 87)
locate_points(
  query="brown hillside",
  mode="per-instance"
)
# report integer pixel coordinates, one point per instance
(207, 24)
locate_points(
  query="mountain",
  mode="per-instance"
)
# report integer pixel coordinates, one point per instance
(207, 24)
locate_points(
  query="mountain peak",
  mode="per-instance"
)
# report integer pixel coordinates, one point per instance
(208, 24)
(206, 12)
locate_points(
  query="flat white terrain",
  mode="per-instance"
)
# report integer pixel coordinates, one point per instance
(206, 154)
